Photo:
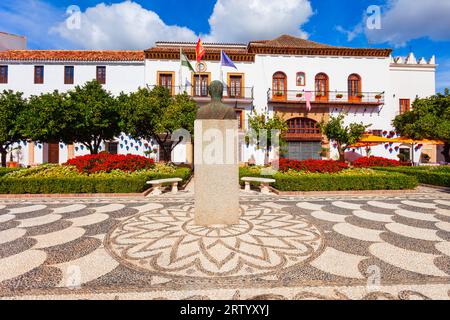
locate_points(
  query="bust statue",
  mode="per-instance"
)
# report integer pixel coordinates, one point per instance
(216, 110)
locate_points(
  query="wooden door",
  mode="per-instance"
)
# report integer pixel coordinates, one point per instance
(53, 153)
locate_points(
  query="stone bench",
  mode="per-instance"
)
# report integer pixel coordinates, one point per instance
(263, 181)
(157, 185)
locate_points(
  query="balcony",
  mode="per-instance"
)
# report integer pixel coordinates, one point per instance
(327, 99)
(200, 94)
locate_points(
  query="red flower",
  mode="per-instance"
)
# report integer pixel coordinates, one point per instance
(319, 166)
(108, 162)
(377, 162)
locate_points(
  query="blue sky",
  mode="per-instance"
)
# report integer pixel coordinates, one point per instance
(422, 26)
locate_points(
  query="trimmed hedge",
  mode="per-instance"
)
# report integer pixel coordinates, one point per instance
(338, 182)
(432, 176)
(85, 184)
(344, 182)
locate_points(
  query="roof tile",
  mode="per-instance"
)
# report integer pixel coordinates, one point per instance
(72, 55)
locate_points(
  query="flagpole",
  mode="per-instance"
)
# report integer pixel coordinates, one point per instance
(221, 66)
(181, 70)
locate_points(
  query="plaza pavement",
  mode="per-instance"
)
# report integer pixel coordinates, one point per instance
(383, 246)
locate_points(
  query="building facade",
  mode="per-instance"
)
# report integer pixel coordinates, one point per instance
(300, 80)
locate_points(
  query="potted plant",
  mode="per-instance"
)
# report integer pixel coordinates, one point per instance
(324, 153)
(378, 96)
(426, 158)
(299, 95)
(12, 163)
(339, 96)
(279, 94)
(360, 95)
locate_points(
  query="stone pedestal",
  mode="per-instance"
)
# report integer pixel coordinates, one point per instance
(216, 172)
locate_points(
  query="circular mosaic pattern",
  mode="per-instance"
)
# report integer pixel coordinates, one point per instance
(167, 241)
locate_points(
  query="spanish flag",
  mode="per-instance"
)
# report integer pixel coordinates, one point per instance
(200, 50)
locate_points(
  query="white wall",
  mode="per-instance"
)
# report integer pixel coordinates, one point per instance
(119, 77)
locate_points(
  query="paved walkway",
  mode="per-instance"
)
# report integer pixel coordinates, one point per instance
(325, 247)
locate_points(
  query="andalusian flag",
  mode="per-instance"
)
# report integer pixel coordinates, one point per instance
(185, 61)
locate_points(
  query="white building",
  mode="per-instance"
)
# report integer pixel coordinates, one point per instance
(275, 76)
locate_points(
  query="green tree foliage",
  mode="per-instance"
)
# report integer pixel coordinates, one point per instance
(342, 135)
(45, 119)
(261, 125)
(11, 105)
(155, 114)
(428, 119)
(86, 115)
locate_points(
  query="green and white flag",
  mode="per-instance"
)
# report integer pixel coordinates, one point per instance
(185, 61)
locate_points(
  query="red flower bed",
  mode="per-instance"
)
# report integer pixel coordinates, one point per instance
(377, 162)
(320, 166)
(108, 162)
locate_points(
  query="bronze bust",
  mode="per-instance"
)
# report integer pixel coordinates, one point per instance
(216, 110)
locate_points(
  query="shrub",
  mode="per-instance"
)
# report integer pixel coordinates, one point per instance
(102, 183)
(107, 163)
(369, 162)
(5, 171)
(46, 171)
(319, 166)
(439, 176)
(348, 180)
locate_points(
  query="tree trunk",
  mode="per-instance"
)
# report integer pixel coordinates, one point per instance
(446, 152)
(341, 153)
(4, 155)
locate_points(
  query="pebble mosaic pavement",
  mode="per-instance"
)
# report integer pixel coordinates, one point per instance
(329, 247)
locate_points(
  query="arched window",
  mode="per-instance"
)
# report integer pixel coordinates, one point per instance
(301, 79)
(322, 87)
(279, 87)
(354, 87)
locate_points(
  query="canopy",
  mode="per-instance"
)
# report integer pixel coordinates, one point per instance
(369, 138)
(412, 141)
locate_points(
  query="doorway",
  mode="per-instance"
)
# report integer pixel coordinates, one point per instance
(53, 153)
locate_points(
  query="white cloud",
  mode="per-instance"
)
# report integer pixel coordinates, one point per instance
(33, 19)
(128, 25)
(351, 33)
(405, 20)
(125, 25)
(244, 20)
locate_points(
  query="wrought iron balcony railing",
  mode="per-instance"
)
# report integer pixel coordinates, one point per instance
(201, 92)
(335, 97)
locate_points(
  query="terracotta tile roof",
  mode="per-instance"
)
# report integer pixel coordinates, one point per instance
(287, 41)
(72, 55)
(290, 45)
(212, 53)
